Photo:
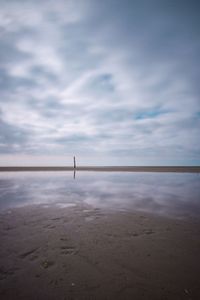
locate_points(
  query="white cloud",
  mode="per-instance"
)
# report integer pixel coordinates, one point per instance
(79, 88)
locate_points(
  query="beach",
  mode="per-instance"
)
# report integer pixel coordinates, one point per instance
(99, 150)
(168, 169)
(81, 252)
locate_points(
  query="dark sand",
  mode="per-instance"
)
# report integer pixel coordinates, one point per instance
(178, 169)
(85, 253)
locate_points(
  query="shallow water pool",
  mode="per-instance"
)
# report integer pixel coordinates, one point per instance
(171, 194)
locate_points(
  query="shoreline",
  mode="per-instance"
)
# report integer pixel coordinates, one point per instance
(159, 169)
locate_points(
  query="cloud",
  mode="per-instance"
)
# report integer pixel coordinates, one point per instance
(100, 79)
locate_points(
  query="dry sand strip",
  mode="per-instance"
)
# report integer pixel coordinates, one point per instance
(86, 253)
(174, 169)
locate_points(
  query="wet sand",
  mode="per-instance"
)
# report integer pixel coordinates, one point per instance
(79, 252)
(178, 169)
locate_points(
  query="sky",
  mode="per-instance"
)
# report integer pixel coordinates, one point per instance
(114, 82)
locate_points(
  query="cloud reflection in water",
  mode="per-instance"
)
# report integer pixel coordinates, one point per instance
(173, 194)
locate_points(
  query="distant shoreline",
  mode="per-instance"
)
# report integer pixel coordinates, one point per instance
(170, 169)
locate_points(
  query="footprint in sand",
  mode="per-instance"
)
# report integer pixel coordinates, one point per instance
(69, 250)
(27, 253)
(135, 234)
(63, 239)
(46, 264)
(148, 231)
(5, 273)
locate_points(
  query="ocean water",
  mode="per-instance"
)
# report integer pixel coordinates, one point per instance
(169, 194)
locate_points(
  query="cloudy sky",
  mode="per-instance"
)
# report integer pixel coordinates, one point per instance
(114, 82)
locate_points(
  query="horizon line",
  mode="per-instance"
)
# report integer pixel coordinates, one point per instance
(176, 169)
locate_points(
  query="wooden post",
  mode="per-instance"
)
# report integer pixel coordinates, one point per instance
(74, 162)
